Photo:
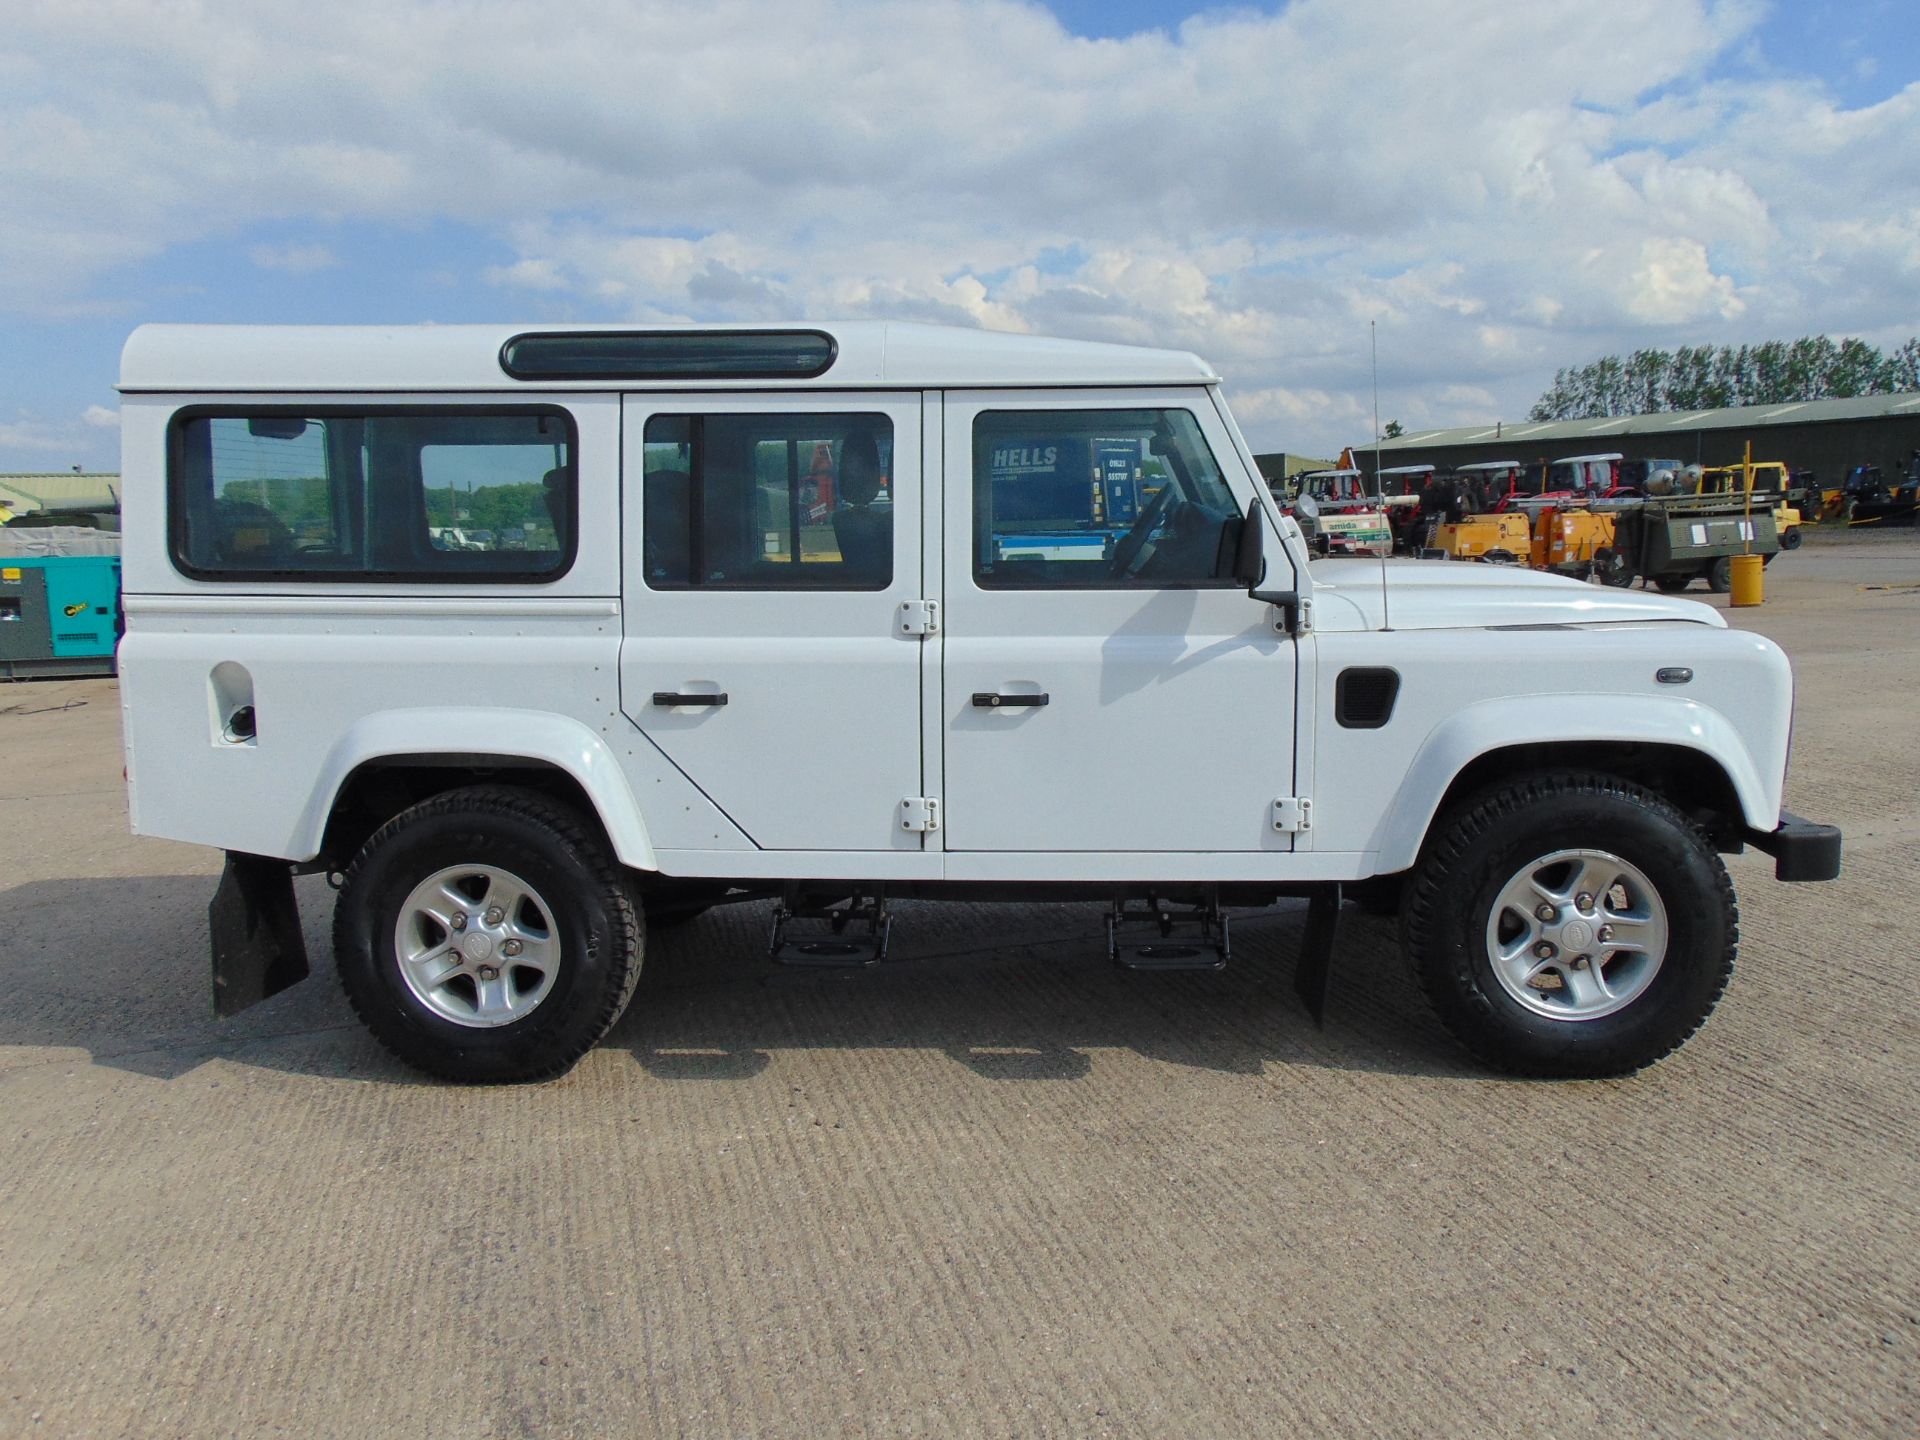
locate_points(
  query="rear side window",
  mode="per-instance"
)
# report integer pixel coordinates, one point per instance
(373, 494)
(768, 502)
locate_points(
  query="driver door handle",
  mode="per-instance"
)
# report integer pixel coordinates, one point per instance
(669, 697)
(994, 700)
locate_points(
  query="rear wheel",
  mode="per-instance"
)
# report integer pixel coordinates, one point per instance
(1790, 538)
(486, 935)
(1570, 925)
(1720, 575)
(1672, 584)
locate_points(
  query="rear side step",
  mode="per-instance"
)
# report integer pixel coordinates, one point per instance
(856, 933)
(1192, 937)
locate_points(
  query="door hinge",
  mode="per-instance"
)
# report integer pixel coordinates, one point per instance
(1292, 814)
(919, 812)
(917, 617)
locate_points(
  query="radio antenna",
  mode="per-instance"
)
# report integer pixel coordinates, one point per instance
(1379, 480)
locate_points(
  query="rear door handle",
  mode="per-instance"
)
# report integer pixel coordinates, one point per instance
(994, 700)
(669, 697)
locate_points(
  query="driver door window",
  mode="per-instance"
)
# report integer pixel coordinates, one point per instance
(1098, 499)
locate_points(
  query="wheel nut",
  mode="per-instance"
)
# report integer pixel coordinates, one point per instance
(1547, 913)
(512, 947)
(1545, 950)
(1580, 962)
(489, 972)
(1583, 902)
(459, 921)
(495, 915)
(1605, 933)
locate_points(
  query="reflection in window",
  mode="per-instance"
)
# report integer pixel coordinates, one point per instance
(768, 502)
(1098, 498)
(393, 496)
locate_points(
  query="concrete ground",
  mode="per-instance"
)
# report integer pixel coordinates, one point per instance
(1003, 1190)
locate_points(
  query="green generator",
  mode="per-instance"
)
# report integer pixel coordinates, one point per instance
(59, 612)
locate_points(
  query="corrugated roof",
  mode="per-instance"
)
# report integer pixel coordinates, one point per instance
(61, 487)
(1736, 417)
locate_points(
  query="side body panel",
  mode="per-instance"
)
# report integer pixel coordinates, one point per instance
(1466, 693)
(341, 672)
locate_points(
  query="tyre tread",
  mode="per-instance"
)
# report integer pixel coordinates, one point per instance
(1453, 837)
(587, 845)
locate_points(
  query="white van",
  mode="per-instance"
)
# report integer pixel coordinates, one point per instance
(535, 638)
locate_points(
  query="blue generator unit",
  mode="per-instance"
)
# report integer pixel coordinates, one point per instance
(59, 610)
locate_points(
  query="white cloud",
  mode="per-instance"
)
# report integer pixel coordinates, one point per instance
(1504, 189)
(100, 417)
(294, 259)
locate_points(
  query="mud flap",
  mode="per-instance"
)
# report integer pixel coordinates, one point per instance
(1313, 970)
(254, 924)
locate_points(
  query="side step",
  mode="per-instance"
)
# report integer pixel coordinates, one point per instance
(1189, 937)
(855, 933)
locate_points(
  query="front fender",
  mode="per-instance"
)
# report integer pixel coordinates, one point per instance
(555, 740)
(1553, 720)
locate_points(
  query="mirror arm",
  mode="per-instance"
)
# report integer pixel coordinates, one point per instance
(1287, 600)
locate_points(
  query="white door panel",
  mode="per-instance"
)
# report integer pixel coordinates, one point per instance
(1168, 719)
(819, 739)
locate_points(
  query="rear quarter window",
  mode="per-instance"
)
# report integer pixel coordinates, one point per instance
(326, 493)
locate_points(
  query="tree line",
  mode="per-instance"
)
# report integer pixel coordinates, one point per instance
(1705, 377)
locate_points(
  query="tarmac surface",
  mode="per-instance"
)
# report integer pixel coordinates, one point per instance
(1000, 1189)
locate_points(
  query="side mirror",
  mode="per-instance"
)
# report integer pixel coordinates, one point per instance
(1261, 561)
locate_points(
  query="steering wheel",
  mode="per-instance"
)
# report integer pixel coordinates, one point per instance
(1131, 550)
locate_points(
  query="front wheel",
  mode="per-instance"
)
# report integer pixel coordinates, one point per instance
(1570, 925)
(1720, 575)
(1790, 538)
(486, 935)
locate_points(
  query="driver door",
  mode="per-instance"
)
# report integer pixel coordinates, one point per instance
(1108, 686)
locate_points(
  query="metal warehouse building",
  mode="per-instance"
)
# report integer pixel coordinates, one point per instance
(1828, 437)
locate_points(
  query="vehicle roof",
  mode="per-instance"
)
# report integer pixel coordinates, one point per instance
(1492, 465)
(871, 354)
(1577, 459)
(1406, 469)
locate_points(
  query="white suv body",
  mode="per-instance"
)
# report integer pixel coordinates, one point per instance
(863, 609)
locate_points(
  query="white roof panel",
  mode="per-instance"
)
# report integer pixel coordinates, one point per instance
(872, 354)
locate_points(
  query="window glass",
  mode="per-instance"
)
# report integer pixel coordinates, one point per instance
(768, 502)
(669, 355)
(1105, 498)
(374, 494)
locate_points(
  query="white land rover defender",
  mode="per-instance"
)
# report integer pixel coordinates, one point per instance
(535, 639)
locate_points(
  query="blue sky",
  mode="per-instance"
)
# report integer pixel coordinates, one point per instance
(1502, 190)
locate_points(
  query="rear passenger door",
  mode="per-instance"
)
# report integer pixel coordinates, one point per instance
(769, 543)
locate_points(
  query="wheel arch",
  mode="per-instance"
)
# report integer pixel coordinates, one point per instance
(388, 761)
(1679, 749)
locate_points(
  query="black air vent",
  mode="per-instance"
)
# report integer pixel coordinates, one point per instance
(1363, 699)
(669, 355)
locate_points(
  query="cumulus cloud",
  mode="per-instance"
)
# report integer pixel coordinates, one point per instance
(1503, 189)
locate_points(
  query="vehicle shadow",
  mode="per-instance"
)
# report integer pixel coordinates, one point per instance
(115, 970)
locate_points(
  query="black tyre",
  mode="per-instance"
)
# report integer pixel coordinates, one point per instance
(1613, 567)
(1570, 925)
(486, 935)
(1790, 538)
(1720, 575)
(1672, 584)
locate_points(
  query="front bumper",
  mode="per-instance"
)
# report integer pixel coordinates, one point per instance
(1801, 849)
